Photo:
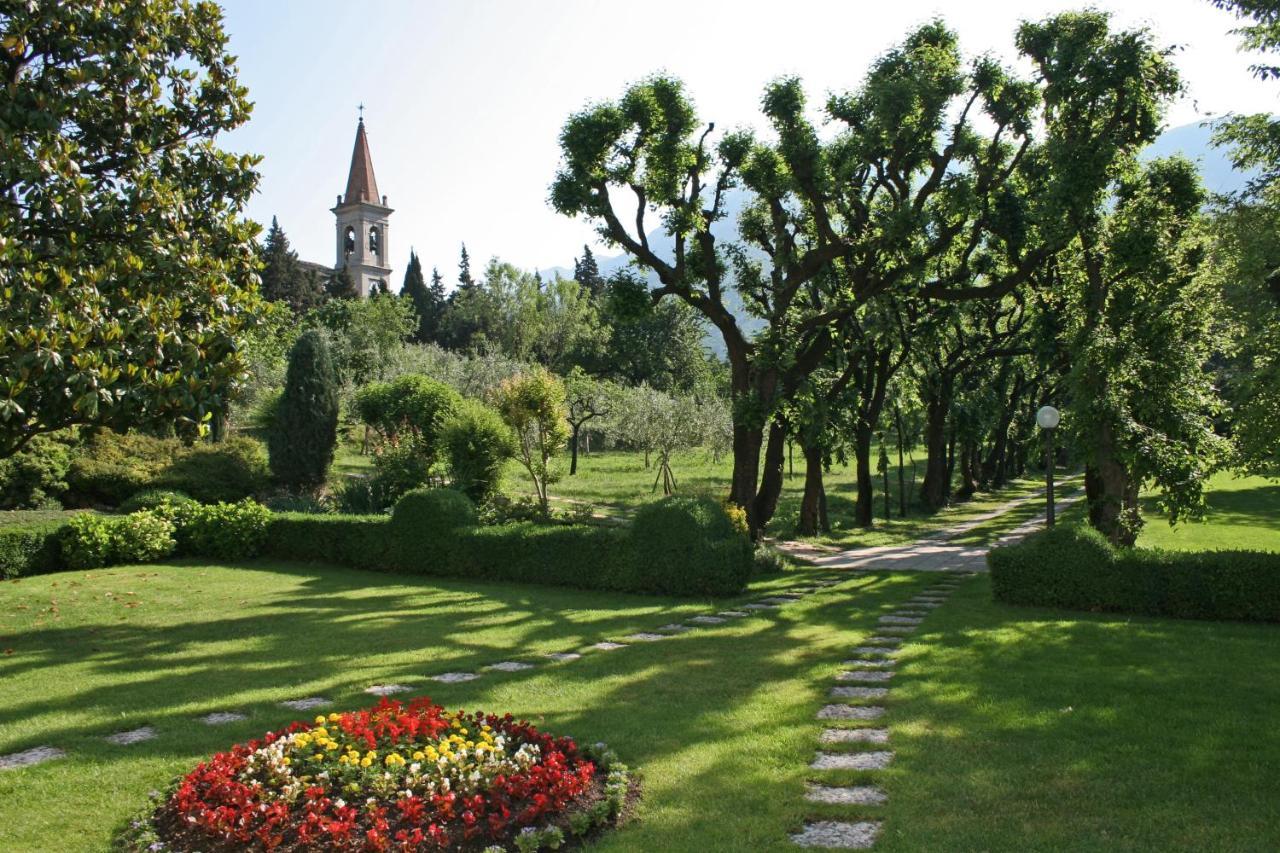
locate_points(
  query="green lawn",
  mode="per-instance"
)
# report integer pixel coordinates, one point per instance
(1244, 512)
(1014, 729)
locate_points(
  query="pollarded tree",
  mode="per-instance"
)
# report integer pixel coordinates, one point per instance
(935, 185)
(126, 266)
(1142, 330)
(301, 440)
(532, 404)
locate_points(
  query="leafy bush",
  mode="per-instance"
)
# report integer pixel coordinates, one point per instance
(400, 468)
(154, 499)
(92, 541)
(477, 443)
(30, 549)
(1073, 566)
(36, 476)
(364, 496)
(228, 471)
(504, 509)
(689, 546)
(110, 468)
(769, 561)
(224, 531)
(588, 557)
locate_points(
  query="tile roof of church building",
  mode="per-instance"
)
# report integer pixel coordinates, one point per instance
(361, 185)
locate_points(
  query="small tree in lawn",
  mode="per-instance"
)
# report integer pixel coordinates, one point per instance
(586, 398)
(532, 404)
(675, 427)
(302, 439)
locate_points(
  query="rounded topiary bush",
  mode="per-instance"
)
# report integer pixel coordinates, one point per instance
(410, 777)
(153, 499)
(689, 546)
(425, 525)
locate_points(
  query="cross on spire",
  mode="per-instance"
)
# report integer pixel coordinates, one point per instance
(360, 107)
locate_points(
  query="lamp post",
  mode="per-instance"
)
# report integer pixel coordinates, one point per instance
(1047, 418)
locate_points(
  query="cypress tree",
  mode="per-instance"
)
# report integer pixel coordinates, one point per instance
(587, 273)
(428, 303)
(300, 443)
(465, 281)
(283, 279)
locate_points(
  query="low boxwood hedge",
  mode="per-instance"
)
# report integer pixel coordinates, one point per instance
(678, 546)
(1073, 566)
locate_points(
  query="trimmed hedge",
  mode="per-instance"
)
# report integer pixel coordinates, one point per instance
(30, 549)
(1073, 566)
(358, 541)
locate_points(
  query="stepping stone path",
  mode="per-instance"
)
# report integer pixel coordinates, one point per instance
(455, 677)
(674, 628)
(28, 757)
(732, 614)
(646, 637)
(306, 704)
(510, 666)
(562, 656)
(131, 737)
(386, 689)
(708, 620)
(874, 664)
(221, 718)
(608, 646)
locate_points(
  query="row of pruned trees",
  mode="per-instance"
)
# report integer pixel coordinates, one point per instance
(984, 238)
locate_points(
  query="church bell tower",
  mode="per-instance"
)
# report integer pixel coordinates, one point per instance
(361, 216)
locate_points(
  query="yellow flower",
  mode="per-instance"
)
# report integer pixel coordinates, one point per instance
(365, 762)
(287, 761)
(333, 718)
(320, 720)
(418, 756)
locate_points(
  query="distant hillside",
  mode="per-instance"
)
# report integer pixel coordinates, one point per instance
(1193, 141)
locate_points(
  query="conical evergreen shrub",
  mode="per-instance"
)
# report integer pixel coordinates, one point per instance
(302, 439)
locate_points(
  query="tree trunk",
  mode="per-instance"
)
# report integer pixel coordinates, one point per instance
(1110, 491)
(573, 450)
(766, 501)
(811, 504)
(747, 442)
(863, 508)
(902, 471)
(937, 484)
(968, 469)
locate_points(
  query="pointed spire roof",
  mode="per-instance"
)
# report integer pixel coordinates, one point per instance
(361, 185)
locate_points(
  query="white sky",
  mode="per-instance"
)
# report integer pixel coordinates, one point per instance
(464, 99)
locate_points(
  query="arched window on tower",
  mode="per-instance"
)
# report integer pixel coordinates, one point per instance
(373, 240)
(349, 242)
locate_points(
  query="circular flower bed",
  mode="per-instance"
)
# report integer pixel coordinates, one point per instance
(393, 777)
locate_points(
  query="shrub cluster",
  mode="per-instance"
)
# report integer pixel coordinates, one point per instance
(29, 549)
(36, 476)
(111, 468)
(92, 541)
(224, 531)
(1073, 566)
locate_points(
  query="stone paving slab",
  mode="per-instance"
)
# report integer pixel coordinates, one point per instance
(760, 605)
(708, 620)
(221, 718)
(855, 795)
(646, 637)
(839, 835)
(306, 704)
(607, 646)
(851, 712)
(386, 689)
(873, 760)
(509, 666)
(900, 620)
(28, 757)
(454, 677)
(875, 651)
(562, 656)
(847, 692)
(830, 736)
(131, 737)
(868, 664)
(864, 676)
(732, 614)
(902, 630)
(674, 628)
(882, 641)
